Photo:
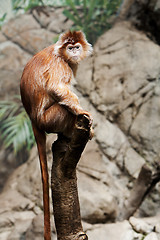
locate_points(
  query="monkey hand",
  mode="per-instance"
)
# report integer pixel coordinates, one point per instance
(90, 121)
(88, 115)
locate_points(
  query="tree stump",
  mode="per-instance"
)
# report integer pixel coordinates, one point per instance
(66, 154)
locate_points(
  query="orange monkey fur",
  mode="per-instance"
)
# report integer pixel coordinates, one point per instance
(48, 100)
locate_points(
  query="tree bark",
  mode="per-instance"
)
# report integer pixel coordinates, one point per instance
(66, 154)
(143, 185)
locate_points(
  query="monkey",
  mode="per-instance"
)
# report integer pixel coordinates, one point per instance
(46, 95)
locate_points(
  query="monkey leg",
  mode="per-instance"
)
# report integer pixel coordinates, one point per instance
(57, 119)
(41, 145)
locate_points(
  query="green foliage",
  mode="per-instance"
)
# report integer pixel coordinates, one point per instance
(2, 19)
(29, 4)
(26, 4)
(91, 16)
(15, 126)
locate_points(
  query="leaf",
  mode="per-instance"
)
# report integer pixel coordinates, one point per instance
(3, 17)
(69, 15)
(16, 130)
(8, 108)
(72, 5)
(93, 17)
(85, 10)
(91, 9)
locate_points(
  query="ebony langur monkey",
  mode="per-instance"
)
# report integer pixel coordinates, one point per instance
(48, 99)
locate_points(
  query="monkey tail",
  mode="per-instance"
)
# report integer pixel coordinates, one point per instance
(40, 138)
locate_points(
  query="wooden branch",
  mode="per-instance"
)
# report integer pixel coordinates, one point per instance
(66, 154)
(143, 185)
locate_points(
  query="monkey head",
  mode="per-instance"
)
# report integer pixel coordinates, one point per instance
(73, 47)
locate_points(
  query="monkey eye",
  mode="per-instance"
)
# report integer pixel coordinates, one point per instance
(77, 47)
(70, 48)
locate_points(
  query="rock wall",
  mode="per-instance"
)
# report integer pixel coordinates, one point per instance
(123, 86)
(120, 86)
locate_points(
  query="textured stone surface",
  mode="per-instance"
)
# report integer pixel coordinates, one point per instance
(27, 33)
(126, 86)
(120, 231)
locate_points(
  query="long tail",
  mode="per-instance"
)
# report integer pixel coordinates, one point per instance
(40, 138)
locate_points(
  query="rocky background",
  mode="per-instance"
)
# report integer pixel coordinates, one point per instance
(120, 86)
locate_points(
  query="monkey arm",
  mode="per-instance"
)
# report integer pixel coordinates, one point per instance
(64, 96)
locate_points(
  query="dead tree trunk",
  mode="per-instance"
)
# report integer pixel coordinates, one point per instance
(145, 182)
(66, 154)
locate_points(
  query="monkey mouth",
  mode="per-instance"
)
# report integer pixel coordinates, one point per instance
(75, 58)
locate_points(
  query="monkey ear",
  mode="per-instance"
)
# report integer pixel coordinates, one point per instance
(82, 34)
(89, 50)
(86, 45)
(63, 38)
(58, 44)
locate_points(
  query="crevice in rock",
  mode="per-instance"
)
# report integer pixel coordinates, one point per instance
(145, 96)
(111, 45)
(141, 93)
(90, 168)
(114, 51)
(20, 46)
(39, 10)
(89, 174)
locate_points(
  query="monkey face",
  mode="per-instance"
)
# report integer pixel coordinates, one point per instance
(72, 47)
(74, 52)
